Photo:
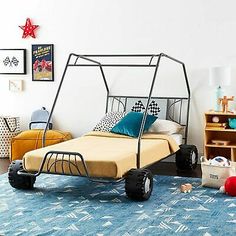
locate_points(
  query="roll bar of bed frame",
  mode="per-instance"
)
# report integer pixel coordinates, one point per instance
(96, 63)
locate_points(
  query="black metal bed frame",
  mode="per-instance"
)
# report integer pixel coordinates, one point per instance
(171, 102)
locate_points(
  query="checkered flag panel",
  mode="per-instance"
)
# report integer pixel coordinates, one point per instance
(138, 107)
(153, 108)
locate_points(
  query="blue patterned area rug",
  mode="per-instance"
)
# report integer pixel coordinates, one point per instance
(62, 205)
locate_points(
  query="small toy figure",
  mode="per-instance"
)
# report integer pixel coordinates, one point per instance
(186, 188)
(229, 187)
(224, 102)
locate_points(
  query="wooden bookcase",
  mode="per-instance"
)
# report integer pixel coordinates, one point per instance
(227, 134)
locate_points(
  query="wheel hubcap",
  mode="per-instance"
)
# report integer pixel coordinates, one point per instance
(193, 157)
(147, 185)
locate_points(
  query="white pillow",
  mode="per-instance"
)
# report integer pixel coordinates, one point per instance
(165, 127)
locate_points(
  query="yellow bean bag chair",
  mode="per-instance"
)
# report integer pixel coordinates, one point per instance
(32, 139)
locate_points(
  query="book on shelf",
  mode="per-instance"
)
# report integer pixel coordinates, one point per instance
(216, 125)
(215, 128)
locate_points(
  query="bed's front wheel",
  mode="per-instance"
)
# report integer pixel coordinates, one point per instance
(19, 181)
(139, 184)
(186, 157)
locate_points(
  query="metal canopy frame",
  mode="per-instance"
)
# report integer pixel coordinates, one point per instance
(91, 63)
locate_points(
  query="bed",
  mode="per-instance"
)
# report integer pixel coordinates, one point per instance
(178, 138)
(106, 154)
(109, 155)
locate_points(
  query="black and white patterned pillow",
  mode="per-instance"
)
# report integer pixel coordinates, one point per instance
(109, 121)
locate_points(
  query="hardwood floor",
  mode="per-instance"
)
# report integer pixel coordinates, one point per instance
(169, 168)
(161, 168)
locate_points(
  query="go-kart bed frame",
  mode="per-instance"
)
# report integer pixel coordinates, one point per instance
(173, 104)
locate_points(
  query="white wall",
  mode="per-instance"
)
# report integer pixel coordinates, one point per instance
(200, 33)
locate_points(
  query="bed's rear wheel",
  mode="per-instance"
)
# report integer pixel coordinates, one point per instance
(19, 181)
(186, 157)
(139, 184)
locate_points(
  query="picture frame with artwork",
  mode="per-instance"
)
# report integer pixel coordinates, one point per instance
(43, 62)
(13, 61)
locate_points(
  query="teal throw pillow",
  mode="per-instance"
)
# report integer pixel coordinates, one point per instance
(232, 123)
(131, 124)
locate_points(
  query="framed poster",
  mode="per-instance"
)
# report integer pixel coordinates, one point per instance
(42, 62)
(13, 61)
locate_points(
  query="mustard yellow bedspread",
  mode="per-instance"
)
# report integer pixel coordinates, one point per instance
(107, 155)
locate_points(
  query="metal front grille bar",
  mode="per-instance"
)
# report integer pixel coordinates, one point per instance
(55, 160)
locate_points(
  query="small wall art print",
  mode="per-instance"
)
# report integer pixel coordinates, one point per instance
(42, 62)
(13, 61)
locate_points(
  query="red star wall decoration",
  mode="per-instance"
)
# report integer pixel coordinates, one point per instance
(28, 29)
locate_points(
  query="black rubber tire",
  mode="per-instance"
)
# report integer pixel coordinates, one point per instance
(135, 184)
(19, 181)
(186, 157)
